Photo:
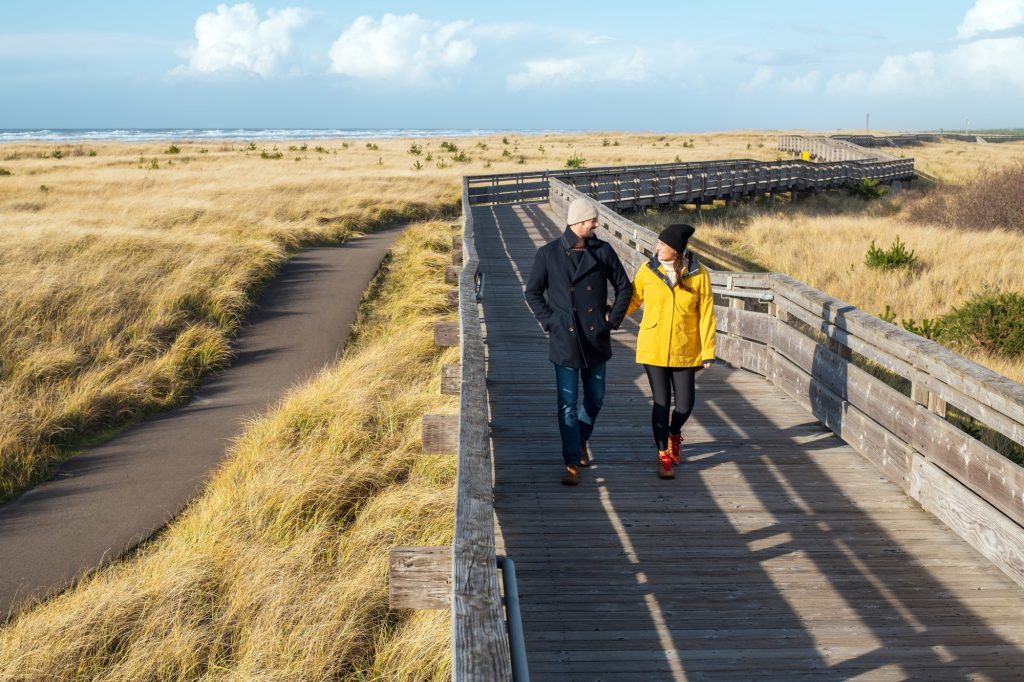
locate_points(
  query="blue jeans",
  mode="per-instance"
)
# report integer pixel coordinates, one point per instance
(575, 421)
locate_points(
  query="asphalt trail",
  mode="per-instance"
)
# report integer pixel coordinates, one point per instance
(106, 500)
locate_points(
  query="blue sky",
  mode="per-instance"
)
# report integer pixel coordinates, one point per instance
(665, 66)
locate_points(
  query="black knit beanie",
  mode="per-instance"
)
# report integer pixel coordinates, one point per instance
(677, 235)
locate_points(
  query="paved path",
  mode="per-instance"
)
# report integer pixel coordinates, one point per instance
(106, 500)
(777, 553)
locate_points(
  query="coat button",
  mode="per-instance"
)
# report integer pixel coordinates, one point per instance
(590, 310)
(572, 288)
(589, 287)
(571, 330)
(591, 327)
(574, 308)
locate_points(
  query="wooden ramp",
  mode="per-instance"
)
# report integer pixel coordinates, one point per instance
(777, 553)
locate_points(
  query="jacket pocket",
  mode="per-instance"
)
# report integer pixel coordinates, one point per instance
(648, 324)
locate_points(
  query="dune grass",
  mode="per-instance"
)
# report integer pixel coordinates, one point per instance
(279, 570)
(126, 268)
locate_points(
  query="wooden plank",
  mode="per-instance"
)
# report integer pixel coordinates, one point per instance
(446, 334)
(998, 538)
(451, 274)
(887, 452)
(983, 470)
(420, 578)
(748, 324)
(942, 391)
(451, 379)
(972, 381)
(479, 637)
(453, 298)
(742, 353)
(440, 433)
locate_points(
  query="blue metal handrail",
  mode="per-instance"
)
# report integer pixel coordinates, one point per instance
(516, 639)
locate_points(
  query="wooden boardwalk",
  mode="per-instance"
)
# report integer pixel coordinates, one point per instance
(778, 552)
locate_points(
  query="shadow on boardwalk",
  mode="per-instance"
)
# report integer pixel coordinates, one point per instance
(777, 553)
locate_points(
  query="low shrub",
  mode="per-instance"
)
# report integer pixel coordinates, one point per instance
(4, 171)
(173, 149)
(575, 161)
(992, 321)
(868, 188)
(896, 256)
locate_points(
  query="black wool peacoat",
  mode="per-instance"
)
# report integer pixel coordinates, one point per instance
(570, 300)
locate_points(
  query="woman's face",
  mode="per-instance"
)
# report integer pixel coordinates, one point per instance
(664, 251)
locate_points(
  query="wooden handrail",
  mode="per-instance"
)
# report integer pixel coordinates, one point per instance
(479, 638)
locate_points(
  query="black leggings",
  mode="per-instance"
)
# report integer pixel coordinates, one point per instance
(665, 381)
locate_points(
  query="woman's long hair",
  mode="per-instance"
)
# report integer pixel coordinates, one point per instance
(680, 265)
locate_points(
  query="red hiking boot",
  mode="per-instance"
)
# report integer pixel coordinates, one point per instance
(675, 446)
(665, 465)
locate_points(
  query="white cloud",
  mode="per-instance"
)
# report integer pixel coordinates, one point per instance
(990, 64)
(406, 48)
(981, 65)
(802, 84)
(762, 75)
(235, 40)
(987, 16)
(914, 72)
(632, 65)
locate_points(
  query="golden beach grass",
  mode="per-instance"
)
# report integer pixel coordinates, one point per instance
(279, 570)
(126, 268)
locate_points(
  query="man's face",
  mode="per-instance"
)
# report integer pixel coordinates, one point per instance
(585, 229)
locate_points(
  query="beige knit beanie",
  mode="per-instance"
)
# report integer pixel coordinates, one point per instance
(581, 209)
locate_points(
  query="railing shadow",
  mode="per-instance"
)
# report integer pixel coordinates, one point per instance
(776, 553)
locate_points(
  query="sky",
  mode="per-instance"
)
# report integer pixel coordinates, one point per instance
(526, 65)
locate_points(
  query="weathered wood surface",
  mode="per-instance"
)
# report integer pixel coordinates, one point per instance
(440, 433)
(451, 379)
(420, 578)
(446, 334)
(777, 553)
(479, 636)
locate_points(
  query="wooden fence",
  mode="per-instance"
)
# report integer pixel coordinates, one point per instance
(479, 638)
(630, 187)
(826, 354)
(831, 148)
(910, 139)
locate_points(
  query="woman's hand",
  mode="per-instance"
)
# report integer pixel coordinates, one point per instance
(708, 363)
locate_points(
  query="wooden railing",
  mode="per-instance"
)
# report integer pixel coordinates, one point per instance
(627, 187)
(831, 148)
(909, 139)
(826, 354)
(479, 639)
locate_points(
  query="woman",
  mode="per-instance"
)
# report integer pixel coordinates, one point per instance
(677, 335)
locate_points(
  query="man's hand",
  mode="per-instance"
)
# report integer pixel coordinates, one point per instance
(708, 363)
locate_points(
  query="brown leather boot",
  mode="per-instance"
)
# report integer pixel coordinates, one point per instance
(571, 476)
(664, 465)
(675, 446)
(584, 454)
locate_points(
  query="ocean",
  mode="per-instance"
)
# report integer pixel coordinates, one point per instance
(244, 134)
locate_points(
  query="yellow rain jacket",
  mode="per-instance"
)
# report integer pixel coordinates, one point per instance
(678, 325)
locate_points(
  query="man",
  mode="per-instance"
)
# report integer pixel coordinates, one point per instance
(568, 294)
